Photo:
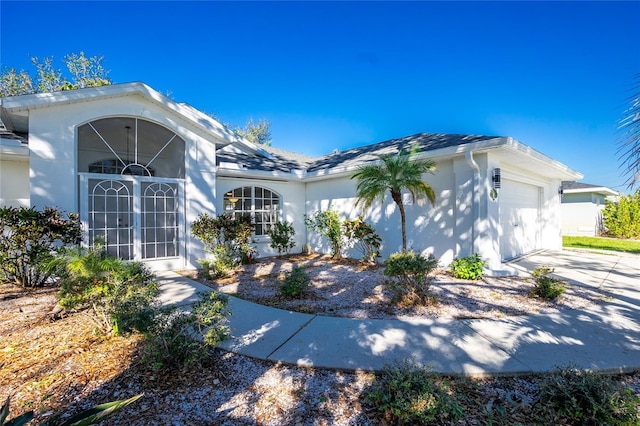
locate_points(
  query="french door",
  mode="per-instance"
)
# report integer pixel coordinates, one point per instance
(133, 217)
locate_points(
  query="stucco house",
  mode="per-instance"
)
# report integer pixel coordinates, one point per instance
(140, 167)
(582, 205)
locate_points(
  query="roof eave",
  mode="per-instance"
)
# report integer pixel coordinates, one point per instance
(24, 103)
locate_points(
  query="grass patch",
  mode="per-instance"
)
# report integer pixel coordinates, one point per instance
(614, 244)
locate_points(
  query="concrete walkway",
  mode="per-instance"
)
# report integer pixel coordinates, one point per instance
(604, 338)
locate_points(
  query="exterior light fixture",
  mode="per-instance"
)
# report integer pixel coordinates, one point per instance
(496, 178)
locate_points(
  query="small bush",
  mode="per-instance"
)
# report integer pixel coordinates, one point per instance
(281, 234)
(408, 276)
(295, 282)
(222, 265)
(586, 398)
(176, 337)
(408, 394)
(117, 295)
(27, 241)
(364, 237)
(546, 286)
(226, 237)
(468, 268)
(327, 224)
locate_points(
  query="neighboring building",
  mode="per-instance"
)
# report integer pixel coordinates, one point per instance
(582, 205)
(140, 168)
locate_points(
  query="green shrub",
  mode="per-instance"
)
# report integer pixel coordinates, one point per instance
(117, 295)
(295, 282)
(408, 394)
(91, 416)
(227, 237)
(27, 241)
(281, 234)
(176, 337)
(546, 286)
(222, 265)
(468, 268)
(408, 276)
(622, 218)
(586, 398)
(364, 237)
(327, 224)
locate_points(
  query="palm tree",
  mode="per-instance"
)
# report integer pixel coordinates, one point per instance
(395, 173)
(629, 146)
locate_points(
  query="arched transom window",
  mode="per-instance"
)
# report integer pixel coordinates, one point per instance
(130, 146)
(261, 203)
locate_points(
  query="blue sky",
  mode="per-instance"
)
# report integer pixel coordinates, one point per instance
(553, 75)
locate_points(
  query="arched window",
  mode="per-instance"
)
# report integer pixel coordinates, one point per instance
(262, 204)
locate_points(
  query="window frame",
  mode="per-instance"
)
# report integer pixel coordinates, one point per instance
(264, 205)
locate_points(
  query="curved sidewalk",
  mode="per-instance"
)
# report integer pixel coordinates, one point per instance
(604, 338)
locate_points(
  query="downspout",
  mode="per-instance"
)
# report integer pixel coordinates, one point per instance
(476, 199)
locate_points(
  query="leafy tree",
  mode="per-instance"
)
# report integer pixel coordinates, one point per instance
(395, 173)
(622, 218)
(629, 146)
(281, 234)
(256, 132)
(82, 71)
(327, 223)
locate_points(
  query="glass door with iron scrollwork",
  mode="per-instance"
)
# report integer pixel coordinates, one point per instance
(131, 177)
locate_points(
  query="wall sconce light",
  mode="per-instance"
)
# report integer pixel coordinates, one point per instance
(496, 178)
(560, 191)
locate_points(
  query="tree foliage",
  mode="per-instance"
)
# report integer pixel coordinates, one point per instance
(28, 238)
(622, 218)
(395, 173)
(81, 71)
(629, 146)
(327, 223)
(256, 132)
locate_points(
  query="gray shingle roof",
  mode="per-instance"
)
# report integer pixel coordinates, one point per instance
(568, 184)
(284, 161)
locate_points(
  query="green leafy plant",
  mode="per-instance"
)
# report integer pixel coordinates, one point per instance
(88, 417)
(227, 238)
(117, 295)
(281, 235)
(586, 398)
(222, 264)
(364, 237)
(622, 218)
(21, 420)
(327, 223)
(176, 337)
(546, 286)
(468, 268)
(408, 394)
(408, 276)
(294, 283)
(27, 241)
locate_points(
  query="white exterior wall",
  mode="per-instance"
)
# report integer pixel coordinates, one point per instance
(292, 198)
(14, 183)
(580, 216)
(430, 229)
(53, 146)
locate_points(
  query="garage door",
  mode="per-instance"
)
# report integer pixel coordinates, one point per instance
(519, 218)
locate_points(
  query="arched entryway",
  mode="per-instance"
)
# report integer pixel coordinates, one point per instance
(131, 177)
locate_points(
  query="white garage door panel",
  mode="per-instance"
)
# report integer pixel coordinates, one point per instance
(519, 218)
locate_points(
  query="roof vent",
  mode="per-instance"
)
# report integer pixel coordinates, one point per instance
(336, 151)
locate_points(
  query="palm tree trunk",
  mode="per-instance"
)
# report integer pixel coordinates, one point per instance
(397, 197)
